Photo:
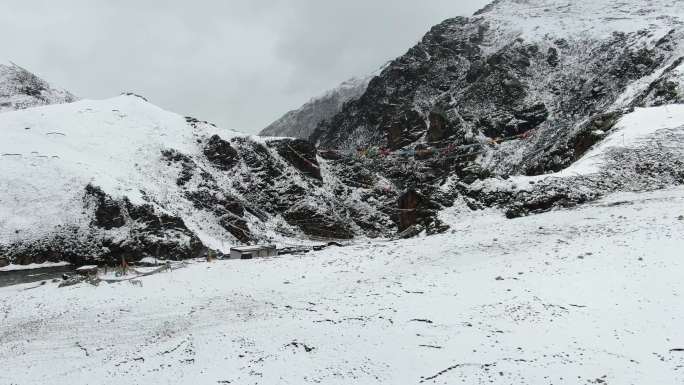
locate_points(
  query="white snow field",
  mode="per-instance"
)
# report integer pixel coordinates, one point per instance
(591, 295)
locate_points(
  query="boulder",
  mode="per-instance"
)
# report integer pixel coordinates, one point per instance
(318, 224)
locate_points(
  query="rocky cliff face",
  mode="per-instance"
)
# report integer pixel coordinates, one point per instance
(521, 88)
(302, 122)
(521, 67)
(20, 89)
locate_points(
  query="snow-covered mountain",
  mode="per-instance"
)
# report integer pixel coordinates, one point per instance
(521, 87)
(302, 122)
(92, 181)
(546, 67)
(20, 89)
(526, 106)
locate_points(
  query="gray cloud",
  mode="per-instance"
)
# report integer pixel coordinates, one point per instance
(239, 63)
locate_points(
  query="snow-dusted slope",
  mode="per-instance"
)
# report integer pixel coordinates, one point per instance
(51, 155)
(644, 151)
(20, 89)
(587, 296)
(93, 181)
(597, 19)
(302, 122)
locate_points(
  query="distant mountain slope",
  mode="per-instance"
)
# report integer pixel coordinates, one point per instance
(302, 122)
(20, 89)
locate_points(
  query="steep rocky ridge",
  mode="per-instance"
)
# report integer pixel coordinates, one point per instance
(521, 88)
(516, 66)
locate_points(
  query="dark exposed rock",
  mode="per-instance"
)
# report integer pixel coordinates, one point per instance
(260, 160)
(564, 153)
(220, 153)
(414, 209)
(553, 57)
(593, 132)
(237, 227)
(439, 129)
(664, 90)
(408, 209)
(229, 210)
(150, 233)
(448, 87)
(542, 203)
(301, 154)
(108, 212)
(216, 202)
(403, 129)
(314, 223)
(528, 118)
(135, 95)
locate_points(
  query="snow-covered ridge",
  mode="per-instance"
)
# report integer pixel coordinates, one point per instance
(302, 122)
(49, 154)
(20, 89)
(597, 19)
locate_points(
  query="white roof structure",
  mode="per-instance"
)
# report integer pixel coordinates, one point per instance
(252, 248)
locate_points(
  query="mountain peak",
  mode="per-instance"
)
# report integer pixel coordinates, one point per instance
(21, 89)
(592, 18)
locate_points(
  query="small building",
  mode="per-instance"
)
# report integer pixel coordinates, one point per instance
(87, 271)
(250, 252)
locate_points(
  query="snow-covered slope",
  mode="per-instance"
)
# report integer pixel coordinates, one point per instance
(644, 151)
(302, 122)
(20, 89)
(599, 19)
(586, 296)
(93, 181)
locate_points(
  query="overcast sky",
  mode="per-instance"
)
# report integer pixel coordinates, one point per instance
(238, 63)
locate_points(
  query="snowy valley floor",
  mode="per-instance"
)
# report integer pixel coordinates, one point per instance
(584, 296)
